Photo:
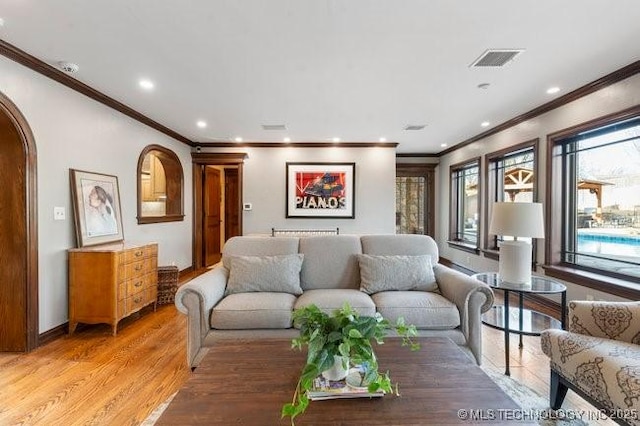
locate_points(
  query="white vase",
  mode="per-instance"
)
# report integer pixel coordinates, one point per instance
(338, 371)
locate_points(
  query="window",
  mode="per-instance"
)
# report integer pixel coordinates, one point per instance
(415, 198)
(511, 177)
(465, 210)
(598, 199)
(159, 186)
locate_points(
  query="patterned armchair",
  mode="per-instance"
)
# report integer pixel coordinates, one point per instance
(598, 358)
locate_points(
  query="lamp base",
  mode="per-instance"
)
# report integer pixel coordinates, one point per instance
(515, 262)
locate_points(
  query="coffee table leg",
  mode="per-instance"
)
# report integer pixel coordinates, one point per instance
(506, 332)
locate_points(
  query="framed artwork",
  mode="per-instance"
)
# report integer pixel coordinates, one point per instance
(321, 190)
(96, 208)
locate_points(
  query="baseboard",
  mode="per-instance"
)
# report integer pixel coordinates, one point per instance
(186, 272)
(53, 334)
(63, 329)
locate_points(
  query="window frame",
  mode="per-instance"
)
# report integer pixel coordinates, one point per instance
(454, 203)
(555, 266)
(490, 249)
(174, 177)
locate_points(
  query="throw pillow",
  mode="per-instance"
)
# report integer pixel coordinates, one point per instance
(386, 273)
(280, 274)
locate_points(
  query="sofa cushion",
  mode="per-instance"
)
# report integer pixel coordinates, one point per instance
(329, 300)
(253, 310)
(425, 310)
(401, 244)
(258, 246)
(280, 274)
(330, 262)
(386, 273)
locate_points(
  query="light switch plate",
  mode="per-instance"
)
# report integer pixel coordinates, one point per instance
(247, 206)
(59, 213)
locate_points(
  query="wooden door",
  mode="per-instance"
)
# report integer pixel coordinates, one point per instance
(231, 203)
(13, 239)
(212, 218)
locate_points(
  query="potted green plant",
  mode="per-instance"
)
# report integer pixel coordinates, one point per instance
(342, 337)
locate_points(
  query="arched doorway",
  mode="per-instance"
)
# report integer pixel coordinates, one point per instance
(18, 232)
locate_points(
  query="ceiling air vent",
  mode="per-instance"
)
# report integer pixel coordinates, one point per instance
(415, 127)
(496, 58)
(274, 127)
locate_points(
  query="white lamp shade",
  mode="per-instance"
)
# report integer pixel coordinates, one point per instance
(517, 220)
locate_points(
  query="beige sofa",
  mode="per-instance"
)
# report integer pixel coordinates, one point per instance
(253, 291)
(598, 358)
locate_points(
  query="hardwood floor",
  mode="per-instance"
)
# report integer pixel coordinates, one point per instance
(94, 378)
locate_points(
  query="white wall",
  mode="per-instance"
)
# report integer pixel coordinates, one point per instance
(611, 99)
(73, 131)
(264, 187)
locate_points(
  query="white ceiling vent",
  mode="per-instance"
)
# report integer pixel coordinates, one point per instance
(274, 127)
(415, 126)
(496, 58)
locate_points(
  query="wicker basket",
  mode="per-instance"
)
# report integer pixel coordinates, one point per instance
(167, 284)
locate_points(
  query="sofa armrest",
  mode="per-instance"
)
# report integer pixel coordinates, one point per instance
(472, 297)
(611, 320)
(196, 299)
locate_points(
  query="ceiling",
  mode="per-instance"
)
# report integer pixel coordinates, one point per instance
(359, 70)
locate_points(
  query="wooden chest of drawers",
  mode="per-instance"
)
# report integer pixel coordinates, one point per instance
(110, 282)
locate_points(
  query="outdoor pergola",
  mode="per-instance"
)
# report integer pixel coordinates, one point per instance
(520, 179)
(594, 187)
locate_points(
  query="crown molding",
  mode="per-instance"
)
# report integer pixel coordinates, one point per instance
(35, 64)
(594, 86)
(296, 144)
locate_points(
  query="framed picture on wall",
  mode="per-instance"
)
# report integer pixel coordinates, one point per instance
(320, 190)
(96, 208)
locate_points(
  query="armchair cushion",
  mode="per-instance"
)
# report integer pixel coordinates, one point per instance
(606, 370)
(599, 357)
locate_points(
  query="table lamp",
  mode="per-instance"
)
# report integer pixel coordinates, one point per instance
(516, 220)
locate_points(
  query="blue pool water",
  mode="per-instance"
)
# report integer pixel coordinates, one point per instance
(618, 245)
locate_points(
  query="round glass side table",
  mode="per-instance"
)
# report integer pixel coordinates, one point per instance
(525, 321)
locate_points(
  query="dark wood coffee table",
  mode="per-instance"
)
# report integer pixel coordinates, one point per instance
(247, 382)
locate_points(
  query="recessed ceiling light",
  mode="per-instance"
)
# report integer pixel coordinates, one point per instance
(485, 124)
(336, 140)
(238, 139)
(146, 84)
(202, 124)
(287, 140)
(553, 90)
(1, 22)
(443, 145)
(383, 139)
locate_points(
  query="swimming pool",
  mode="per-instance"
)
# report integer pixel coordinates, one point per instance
(609, 244)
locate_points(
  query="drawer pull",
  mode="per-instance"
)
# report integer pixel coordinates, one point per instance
(138, 284)
(137, 300)
(138, 253)
(138, 267)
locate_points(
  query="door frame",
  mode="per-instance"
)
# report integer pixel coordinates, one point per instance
(427, 171)
(31, 211)
(199, 161)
